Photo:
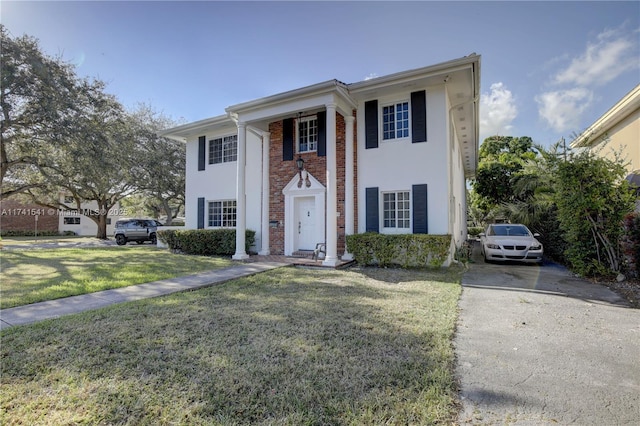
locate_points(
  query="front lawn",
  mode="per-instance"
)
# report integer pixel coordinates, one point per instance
(29, 276)
(289, 346)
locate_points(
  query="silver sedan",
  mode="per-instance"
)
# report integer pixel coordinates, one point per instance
(510, 242)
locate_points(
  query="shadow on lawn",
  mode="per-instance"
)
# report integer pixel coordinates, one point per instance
(31, 276)
(277, 347)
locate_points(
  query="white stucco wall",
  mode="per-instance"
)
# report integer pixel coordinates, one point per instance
(218, 181)
(88, 227)
(398, 164)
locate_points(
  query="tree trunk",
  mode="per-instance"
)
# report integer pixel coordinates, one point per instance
(167, 211)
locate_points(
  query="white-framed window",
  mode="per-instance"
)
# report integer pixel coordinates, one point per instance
(223, 150)
(72, 220)
(222, 214)
(396, 210)
(307, 134)
(395, 120)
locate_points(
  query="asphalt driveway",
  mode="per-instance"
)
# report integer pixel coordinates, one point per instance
(538, 346)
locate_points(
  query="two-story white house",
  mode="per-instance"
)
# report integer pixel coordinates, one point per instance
(388, 155)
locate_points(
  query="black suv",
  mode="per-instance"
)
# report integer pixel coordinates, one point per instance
(138, 230)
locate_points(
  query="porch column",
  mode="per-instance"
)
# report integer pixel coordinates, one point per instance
(349, 187)
(331, 258)
(241, 202)
(266, 141)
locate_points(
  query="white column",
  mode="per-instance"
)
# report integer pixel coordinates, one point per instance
(241, 202)
(349, 188)
(266, 141)
(331, 258)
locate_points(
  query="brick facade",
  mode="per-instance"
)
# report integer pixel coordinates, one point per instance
(281, 172)
(21, 217)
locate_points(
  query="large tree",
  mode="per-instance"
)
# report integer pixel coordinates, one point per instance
(37, 95)
(501, 159)
(163, 160)
(98, 162)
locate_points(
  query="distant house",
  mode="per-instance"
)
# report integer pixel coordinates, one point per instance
(75, 221)
(17, 217)
(20, 217)
(311, 165)
(620, 128)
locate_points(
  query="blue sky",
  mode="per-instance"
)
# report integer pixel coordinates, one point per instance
(549, 69)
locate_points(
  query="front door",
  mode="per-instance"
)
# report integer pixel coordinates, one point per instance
(305, 223)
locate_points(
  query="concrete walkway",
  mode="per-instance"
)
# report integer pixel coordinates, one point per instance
(70, 305)
(539, 346)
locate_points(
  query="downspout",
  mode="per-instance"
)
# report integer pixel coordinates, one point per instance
(452, 206)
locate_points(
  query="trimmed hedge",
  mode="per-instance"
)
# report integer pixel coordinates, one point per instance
(204, 242)
(17, 233)
(406, 250)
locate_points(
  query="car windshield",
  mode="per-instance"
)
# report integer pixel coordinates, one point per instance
(508, 230)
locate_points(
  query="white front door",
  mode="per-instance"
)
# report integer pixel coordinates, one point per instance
(305, 224)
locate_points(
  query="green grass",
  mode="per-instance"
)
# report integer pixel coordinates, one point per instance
(285, 347)
(29, 276)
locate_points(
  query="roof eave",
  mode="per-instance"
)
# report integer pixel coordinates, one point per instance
(625, 106)
(442, 68)
(287, 96)
(181, 133)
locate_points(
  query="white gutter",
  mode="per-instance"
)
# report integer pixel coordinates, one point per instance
(180, 133)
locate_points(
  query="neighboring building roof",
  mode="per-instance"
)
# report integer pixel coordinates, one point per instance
(629, 104)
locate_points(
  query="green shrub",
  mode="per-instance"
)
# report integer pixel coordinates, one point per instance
(474, 231)
(204, 242)
(14, 233)
(407, 250)
(631, 243)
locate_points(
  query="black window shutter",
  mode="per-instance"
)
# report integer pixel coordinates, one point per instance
(420, 219)
(202, 144)
(201, 213)
(371, 124)
(322, 133)
(418, 116)
(372, 210)
(287, 139)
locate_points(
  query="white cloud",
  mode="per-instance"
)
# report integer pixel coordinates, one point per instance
(601, 62)
(370, 76)
(497, 111)
(610, 55)
(563, 109)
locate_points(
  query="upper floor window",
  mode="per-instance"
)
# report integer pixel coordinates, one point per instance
(223, 150)
(396, 210)
(395, 121)
(222, 214)
(308, 134)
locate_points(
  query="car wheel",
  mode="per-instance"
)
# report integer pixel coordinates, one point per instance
(121, 240)
(154, 239)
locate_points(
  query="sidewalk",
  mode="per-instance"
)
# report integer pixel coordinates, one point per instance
(70, 305)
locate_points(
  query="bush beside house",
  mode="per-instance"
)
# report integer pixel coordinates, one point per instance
(406, 250)
(204, 242)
